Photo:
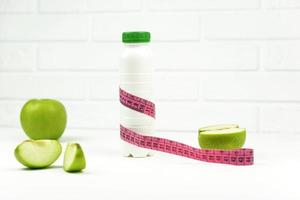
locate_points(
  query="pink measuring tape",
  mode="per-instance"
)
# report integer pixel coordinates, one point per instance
(242, 156)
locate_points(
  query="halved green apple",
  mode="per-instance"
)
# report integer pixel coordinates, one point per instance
(74, 160)
(38, 153)
(227, 136)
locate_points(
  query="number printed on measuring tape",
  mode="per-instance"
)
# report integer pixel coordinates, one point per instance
(243, 156)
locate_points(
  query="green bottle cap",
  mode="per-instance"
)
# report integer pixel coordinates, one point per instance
(135, 37)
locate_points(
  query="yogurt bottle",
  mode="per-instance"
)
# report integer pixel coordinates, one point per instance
(136, 73)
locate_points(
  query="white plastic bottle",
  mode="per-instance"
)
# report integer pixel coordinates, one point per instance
(136, 73)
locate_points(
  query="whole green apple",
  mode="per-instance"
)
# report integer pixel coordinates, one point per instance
(43, 119)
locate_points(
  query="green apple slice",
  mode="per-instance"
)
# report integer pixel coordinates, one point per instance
(227, 138)
(74, 160)
(38, 153)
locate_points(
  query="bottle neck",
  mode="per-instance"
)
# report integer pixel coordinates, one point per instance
(137, 44)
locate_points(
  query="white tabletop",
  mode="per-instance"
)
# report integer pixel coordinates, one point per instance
(275, 174)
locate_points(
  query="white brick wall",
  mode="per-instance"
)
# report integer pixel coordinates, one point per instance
(164, 27)
(233, 61)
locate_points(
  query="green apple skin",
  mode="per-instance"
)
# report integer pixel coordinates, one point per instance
(43, 119)
(74, 159)
(37, 154)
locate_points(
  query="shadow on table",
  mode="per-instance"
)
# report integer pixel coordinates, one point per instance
(38, 169)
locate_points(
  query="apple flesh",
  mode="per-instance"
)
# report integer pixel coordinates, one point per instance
(74, 160)
(38, 153)
(218, 127)
(224, 137)
(43, 119)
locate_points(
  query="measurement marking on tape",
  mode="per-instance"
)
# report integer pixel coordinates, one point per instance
(242, 156)
(137, 103)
